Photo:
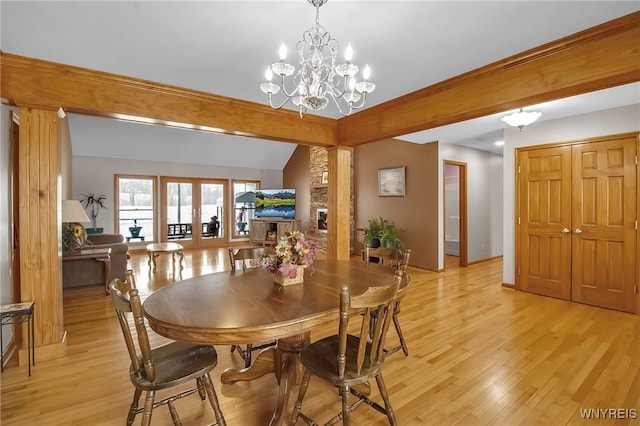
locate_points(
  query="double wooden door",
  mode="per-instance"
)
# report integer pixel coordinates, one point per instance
(578, 222)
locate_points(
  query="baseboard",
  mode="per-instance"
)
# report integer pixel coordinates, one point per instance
(484, 260)
(509, 285)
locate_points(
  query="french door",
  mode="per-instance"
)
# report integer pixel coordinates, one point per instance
(193, 211)
(578, 222)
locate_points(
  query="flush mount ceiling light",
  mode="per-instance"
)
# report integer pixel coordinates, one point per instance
(521, 118)
(319, 78)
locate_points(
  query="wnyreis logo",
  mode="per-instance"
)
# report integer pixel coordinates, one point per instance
(608, 413)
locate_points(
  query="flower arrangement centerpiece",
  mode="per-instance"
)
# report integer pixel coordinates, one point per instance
(291, 255)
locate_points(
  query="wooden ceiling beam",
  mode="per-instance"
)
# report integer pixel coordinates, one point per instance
(41, 84)
(600, 57)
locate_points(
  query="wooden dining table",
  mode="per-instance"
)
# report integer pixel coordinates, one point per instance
(246, 306)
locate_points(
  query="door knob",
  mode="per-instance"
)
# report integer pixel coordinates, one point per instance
(566, 230)
(578, 231)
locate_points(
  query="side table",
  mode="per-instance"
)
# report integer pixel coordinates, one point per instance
(19, 313)
(101, 255)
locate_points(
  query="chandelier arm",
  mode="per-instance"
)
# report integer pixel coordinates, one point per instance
(362, 102)
(286, 99)
(288, 94)
(337, 103)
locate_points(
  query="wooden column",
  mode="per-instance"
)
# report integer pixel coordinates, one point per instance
(39, 175)
(339, 201)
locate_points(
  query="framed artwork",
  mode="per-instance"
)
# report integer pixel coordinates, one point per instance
(325, 178)
(391, 182)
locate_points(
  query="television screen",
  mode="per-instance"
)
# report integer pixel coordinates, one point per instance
(276, 203)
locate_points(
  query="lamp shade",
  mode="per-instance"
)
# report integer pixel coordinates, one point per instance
(72, 211)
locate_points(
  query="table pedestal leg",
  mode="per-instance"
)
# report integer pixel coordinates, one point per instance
(283, 360)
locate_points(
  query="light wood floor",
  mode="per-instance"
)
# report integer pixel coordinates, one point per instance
(479, 354)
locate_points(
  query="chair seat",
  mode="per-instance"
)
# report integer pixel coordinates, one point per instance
(320, 359)
(177, 363)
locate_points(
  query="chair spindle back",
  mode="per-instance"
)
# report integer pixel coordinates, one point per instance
(379, 299)
(128, 302)
(246, 254)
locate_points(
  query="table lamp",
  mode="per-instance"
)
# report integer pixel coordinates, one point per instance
(73, 233)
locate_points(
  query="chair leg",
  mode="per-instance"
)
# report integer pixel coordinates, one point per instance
(148, 408)
(244, 353)
(303, 390)
(134, 406)
(247, 357)
(403, 343)
(174, 414)
(345, 405)
(213, 399)
(385, 397)
(201, 390)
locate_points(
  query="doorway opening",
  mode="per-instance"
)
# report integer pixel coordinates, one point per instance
(455, 211)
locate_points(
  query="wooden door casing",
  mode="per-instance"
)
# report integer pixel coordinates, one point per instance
(545, 218)
(604, 214)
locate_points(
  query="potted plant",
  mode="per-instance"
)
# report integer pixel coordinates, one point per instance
(389, 236)
(135, 229)
(96, 202)
(371, 234)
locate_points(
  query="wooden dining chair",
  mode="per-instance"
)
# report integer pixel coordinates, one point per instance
(403, 257)
(402, 292)
(162, 367)
(250, 258)
(346, 360)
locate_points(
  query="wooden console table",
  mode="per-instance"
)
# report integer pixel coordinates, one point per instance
(99, 254)
(19, 313)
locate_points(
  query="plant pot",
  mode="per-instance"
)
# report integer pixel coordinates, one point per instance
(94, 231)
(374, 243)
(135, 231)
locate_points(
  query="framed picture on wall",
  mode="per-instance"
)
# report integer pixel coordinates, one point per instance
(391, 182)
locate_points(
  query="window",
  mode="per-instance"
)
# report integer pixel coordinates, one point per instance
(136, 201)
(244, 207)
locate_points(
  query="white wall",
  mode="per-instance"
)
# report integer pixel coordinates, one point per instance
(5, 216)
(96, 174)
(484, 200)
(602, 123)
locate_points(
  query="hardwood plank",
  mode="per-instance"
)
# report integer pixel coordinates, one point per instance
(480, 354)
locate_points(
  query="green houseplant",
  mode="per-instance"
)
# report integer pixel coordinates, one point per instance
(381, 233)
(371, 234)
(95, 202)
(389, 236)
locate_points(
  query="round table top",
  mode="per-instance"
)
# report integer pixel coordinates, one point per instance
(164, 247)
(248, 307)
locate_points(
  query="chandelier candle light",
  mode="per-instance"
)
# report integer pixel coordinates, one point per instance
(319, 78)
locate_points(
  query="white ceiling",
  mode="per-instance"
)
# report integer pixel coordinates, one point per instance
(223, 47)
